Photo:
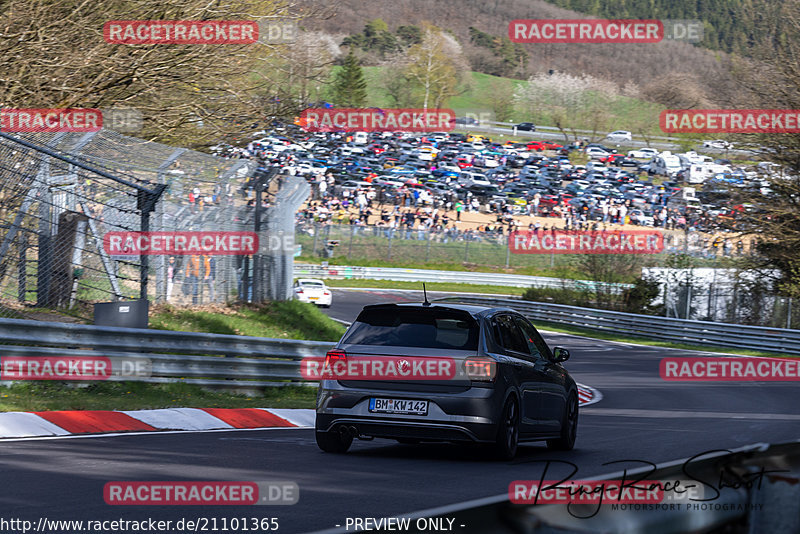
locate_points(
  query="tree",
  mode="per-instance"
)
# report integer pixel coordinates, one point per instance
(294, 79)
(570, 102)
(54, 55)
(772, 218)
(608, 270)
(502, 100)
(410, 35)
(433, 67)
(349, 86)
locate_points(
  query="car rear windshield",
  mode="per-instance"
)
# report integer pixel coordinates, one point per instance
(430, 328)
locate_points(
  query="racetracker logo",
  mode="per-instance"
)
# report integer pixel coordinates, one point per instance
(730, 369)
(337, 366)
(377, 120)
(604, 31)
(585, 491)
(180, 243)
(180, 32)
(730, 121)
(201, 493)
(72, 367)
(51, 120)
(587, 242)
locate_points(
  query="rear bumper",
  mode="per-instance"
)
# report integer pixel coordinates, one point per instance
(469, 415)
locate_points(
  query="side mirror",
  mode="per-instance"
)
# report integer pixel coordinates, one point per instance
(560, 354)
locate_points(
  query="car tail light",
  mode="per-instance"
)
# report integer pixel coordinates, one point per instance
(326, 293)
(334, 356)
(483, 369)
(299, 291)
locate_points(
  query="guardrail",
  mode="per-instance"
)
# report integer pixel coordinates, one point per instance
(510, 125)
(734, 495)
(195, 358)
(758, 338)
(340, 272)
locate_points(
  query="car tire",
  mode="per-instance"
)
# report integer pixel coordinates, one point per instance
(507, 440)
(334, 442)
(569, 428)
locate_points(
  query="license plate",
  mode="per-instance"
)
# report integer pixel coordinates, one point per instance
(401, 406)
(313, 298)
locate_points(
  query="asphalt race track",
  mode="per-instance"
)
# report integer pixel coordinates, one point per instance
(640, 417)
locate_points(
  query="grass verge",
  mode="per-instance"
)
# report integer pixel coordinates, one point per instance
(431, 286)
(45, 396)
(286, 320)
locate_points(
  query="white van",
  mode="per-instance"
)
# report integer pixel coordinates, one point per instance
(360, 138)
(699, 173)
(665, 164)
(468, 178)
(693, 158)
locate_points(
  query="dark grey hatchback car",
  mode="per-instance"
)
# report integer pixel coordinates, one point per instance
(508, 387)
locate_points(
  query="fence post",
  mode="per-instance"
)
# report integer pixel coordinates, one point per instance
(466, 248)
(789, 313)
(428, 248)
(22, 267)
(350, 246)
(508, 250)
(389, 253)
(688, 301)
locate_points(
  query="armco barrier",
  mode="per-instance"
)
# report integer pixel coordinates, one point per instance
(766, 507)
(650, 326)
(455, 277)
(195, 358)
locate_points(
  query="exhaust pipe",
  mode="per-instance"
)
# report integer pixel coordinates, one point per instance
(348, 430)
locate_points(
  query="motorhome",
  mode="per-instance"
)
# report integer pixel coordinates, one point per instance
(666, 164)
(693, 158)
(699, 173)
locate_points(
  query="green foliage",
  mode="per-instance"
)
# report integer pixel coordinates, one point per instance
(57, 395)
(291, 319)
(730, 26)
(561, 295)
(636, 299)
(377, 39)
(639, 298)
(512, 56)
(409, 35)
(349, 86)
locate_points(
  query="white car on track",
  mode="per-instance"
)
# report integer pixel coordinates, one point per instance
(313, 291)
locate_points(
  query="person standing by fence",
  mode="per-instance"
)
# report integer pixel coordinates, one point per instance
(191, 285)
(210, 275)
